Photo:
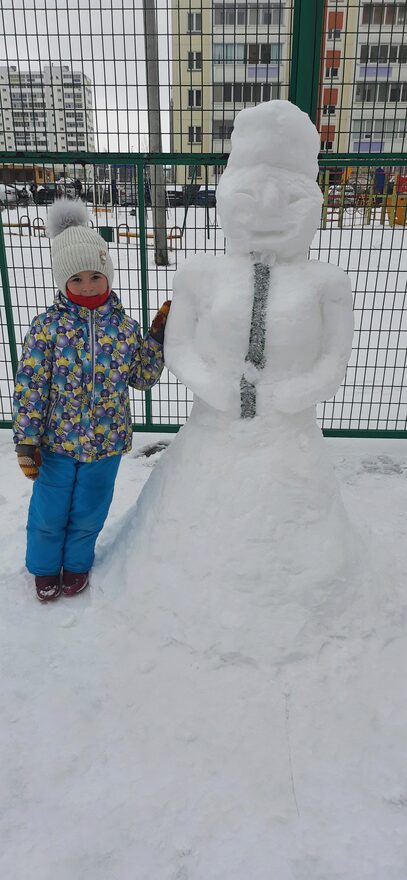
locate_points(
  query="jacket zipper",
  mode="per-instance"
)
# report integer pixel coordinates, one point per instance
(51, 411)
(92, 353)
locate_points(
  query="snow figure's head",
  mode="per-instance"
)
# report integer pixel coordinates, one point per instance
(268, 198)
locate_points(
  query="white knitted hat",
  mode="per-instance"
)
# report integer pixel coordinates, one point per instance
(75, 247)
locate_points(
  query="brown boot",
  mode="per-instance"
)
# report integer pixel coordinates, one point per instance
(48, 586)
(74, 582)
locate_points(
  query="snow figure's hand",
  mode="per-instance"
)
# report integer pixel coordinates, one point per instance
(322, 379)
(223, 396)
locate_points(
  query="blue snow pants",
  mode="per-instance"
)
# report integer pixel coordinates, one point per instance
(68, 508)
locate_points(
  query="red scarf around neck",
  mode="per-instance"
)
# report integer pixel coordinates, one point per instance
(89, 302)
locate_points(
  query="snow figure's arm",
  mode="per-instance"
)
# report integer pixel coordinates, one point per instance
(181, 356)
(322, 381)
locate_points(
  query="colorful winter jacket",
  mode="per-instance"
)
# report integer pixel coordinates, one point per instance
(71, 388)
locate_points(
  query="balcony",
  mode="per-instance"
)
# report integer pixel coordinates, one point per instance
(367, 146)
(263, 71)
(375, 71)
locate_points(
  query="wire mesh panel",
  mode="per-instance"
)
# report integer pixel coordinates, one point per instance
(79, 76)
(129, 105)
(364, 233)
(363, 79)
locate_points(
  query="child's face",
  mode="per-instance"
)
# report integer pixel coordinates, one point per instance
(87, 284)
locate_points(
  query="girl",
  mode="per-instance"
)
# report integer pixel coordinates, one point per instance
(71, 416)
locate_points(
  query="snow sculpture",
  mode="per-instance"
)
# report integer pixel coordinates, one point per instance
(260, 336)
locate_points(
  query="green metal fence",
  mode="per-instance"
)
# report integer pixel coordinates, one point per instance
(329, 58)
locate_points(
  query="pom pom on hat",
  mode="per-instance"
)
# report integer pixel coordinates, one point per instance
(64, 213)
(75, 247)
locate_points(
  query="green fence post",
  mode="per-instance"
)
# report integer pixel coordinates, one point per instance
(7, 301)
(306, 55)
(143, 267)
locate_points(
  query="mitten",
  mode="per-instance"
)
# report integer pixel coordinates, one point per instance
(29, 459)
(159, 321)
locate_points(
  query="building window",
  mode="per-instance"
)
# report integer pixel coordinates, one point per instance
(222, 130)
(381, 92)
(326, 145)
(331, 72)
(229, 53)
(270, 14)
(329, 110)
(380, 13)
(194, 22)
(365, 92)
(395, 92)
(382, 54)
(256, 93)
(334, 34)
(264, 53)
(194, 98)
(194, 134)
(194, 60)
(245, 92)
(227, 92)
(194, 171)
(241, 14)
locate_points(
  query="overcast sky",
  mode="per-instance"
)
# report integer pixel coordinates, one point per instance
(105, 39)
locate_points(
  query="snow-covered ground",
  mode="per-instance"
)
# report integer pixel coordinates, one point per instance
(158, 729)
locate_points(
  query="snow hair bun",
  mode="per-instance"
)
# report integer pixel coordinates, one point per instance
(75, 247)
(277, 134)
(65, 213)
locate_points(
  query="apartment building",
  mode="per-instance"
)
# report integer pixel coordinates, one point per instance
(380, 97)
(250, 60)
(191, 121)
(364, 77)
(50, 109)
(226, 56)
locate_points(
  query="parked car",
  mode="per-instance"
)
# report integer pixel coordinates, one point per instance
(8, 196)
(175, 197)
(206, 196)
(45, 193)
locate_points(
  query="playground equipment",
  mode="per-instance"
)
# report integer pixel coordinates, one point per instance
(174, 234)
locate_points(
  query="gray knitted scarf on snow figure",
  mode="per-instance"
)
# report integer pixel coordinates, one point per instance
(257, 339)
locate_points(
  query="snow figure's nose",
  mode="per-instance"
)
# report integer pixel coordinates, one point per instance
(271, 196)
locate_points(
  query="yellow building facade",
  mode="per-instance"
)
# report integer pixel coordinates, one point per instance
(191, 117)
